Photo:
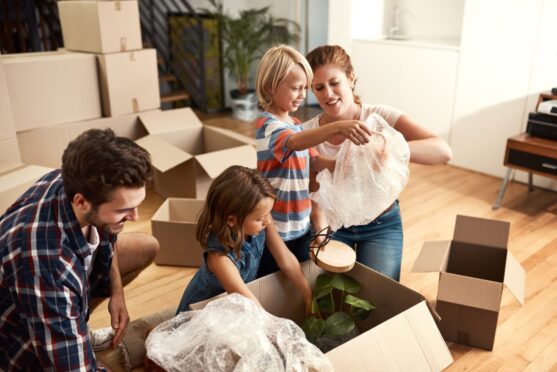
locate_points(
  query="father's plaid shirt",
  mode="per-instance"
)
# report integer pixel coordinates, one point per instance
(44, 287)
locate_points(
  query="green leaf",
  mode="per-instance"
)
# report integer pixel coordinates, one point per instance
(313, 328)
(359, 313)
(322, 286)
(338, 324)
(345, 283)
(358, 302)
(315, 308)
(326, 304)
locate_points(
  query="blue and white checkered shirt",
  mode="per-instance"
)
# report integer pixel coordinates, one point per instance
(44, 285)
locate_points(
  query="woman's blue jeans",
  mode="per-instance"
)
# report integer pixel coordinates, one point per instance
(378, 244)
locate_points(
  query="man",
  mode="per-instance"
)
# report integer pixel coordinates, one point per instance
(57, 244)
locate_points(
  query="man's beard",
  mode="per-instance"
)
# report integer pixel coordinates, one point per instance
(92, 218)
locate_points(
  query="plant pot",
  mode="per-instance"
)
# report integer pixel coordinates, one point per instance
(244, 107)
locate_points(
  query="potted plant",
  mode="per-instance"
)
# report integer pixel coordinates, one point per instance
(245, 39)
(335, 310)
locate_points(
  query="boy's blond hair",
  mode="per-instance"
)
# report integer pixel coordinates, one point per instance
(275, 65)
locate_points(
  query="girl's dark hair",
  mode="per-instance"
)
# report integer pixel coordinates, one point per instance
(235, 192)
(97, 162)
(334, 55)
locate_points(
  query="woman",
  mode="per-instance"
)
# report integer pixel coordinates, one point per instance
(378, 244)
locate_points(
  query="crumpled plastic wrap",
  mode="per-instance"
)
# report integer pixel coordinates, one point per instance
(232, 334)
(367, 178)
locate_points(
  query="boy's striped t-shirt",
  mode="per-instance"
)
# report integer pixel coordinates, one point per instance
(288, 173)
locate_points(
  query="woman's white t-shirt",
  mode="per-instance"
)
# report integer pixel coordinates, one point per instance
(390, 114)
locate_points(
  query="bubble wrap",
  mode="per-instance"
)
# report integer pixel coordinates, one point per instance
(367, 178)
(232, 334)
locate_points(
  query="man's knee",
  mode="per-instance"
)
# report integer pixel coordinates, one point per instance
(136, 250)
(151, 247)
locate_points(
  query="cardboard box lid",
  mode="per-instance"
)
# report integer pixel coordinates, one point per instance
(164, 156)
(433, 256)
(22, 174)
(214, 163)
(481, 231)
(240, 137)
(407, 342)
(470, 291)
(515, 277)
(157, 122)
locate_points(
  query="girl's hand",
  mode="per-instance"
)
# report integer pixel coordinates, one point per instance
(355, 130)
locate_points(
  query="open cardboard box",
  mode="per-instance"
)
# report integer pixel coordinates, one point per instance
(399, 335)
(174, 224)
(15, 179)
(45, 146)
(50, 88)
(187, 155)
(473, 269)
(100, 27)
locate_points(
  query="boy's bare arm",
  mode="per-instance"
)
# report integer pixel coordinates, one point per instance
(356, 131)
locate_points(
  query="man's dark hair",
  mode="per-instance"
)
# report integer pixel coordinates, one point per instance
(97, 162)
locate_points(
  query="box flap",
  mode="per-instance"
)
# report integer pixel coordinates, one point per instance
(469, 291)
(157, 122)
(515, 278)
(164, 156)
(433, 256)
(9, 167)
(214, 163)
(481, 231)
(409, 341)
(237, 136)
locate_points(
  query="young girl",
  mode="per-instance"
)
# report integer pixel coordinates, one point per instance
(234, 227)
(284, 152)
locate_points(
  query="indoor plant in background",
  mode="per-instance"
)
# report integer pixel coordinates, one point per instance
(245, 38)
(335, 310)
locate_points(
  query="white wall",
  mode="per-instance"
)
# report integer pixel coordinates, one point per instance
(496, 58)
(340, 18)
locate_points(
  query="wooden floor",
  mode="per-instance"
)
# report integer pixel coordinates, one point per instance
(526, 336)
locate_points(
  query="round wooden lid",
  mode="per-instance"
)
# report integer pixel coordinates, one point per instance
(336, 257)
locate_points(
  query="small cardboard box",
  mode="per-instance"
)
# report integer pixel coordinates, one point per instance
(15, 179)
(129, 82)
(174, 224)
(473, 269)
(399, 335)
(187, 155)
(45, 146)
(100, 27)
(52, 88)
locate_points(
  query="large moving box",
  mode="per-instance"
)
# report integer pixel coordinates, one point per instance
(100, 27)
(7, 129)
(473, 269)
(15, 179)
(129, 82)
(174, 224)
(399, 335)
(188, 155)
(45, 146)
(52, 88)
(9, 150)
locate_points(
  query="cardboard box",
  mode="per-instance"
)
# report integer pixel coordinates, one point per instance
(399, 335)
(473, 269)
(52, 88)
(100, 27)
(45, 146)
(9, 151)
(187, 155)
(15, 180)
(129, 82)
(174, 224)
(7, 128)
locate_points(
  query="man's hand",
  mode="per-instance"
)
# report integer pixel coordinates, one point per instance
(119, 316)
